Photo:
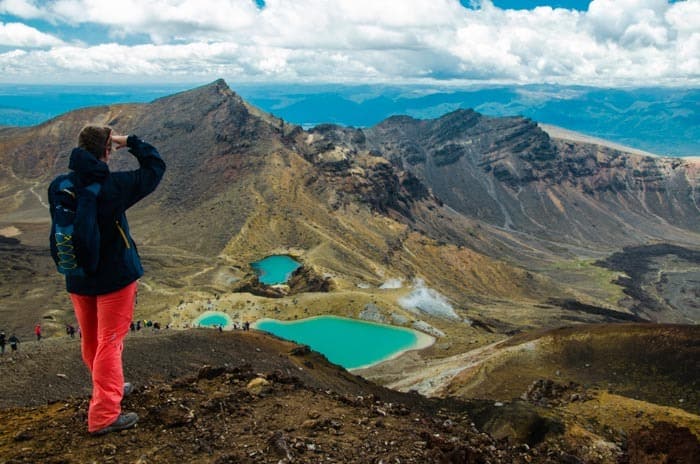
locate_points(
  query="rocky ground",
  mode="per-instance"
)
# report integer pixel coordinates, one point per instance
(245, 397)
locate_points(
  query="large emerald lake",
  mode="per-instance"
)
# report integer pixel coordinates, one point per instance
(275, 269)
(347, 342)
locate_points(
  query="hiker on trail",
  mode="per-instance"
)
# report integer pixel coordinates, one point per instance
(103, 300)
(2, 342)
(13, 341)
(70, 330)
(37, 332)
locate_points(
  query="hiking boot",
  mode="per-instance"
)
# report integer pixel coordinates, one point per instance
(128, 388)
(123, 422)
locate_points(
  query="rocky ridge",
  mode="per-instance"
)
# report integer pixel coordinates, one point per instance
(523, 180)
(273, 402)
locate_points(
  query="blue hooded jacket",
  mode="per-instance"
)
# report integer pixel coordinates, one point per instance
(109, 254)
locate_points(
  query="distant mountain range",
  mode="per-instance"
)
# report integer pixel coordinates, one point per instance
(664, 121)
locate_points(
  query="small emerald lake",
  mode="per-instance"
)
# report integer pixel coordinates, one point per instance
(275, 269)
(212, 319)
(348, 342)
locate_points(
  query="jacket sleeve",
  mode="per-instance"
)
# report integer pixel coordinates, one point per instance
(86, 231)
(138, 183)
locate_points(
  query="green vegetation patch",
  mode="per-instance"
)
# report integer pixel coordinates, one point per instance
(585, 275)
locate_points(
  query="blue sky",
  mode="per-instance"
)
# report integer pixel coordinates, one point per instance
(601, 42)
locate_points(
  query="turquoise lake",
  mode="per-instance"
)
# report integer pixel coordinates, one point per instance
(212, 319)
(275, 269)
(347, 342)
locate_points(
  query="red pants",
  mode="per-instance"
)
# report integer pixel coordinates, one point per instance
(104, 322)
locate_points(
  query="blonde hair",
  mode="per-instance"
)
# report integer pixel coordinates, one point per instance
(95, 139)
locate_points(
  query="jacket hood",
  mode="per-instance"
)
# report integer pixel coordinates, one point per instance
(88, 168)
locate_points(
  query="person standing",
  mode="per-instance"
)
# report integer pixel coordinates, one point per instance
(37, 332)
(13, 341)
(2, 342)
(104, 299)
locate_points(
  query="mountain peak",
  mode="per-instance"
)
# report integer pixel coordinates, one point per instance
(216, 89)
(219, 83)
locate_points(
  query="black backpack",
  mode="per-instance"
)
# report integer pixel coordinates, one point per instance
(72, 254)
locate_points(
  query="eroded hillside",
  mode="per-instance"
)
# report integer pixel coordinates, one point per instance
(525, 181)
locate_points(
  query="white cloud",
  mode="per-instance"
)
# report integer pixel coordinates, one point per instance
(22, 8)
(162, 20)
(615, 42)
(684, 16)
(633, 23)
(149, 60)
(21, 35)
